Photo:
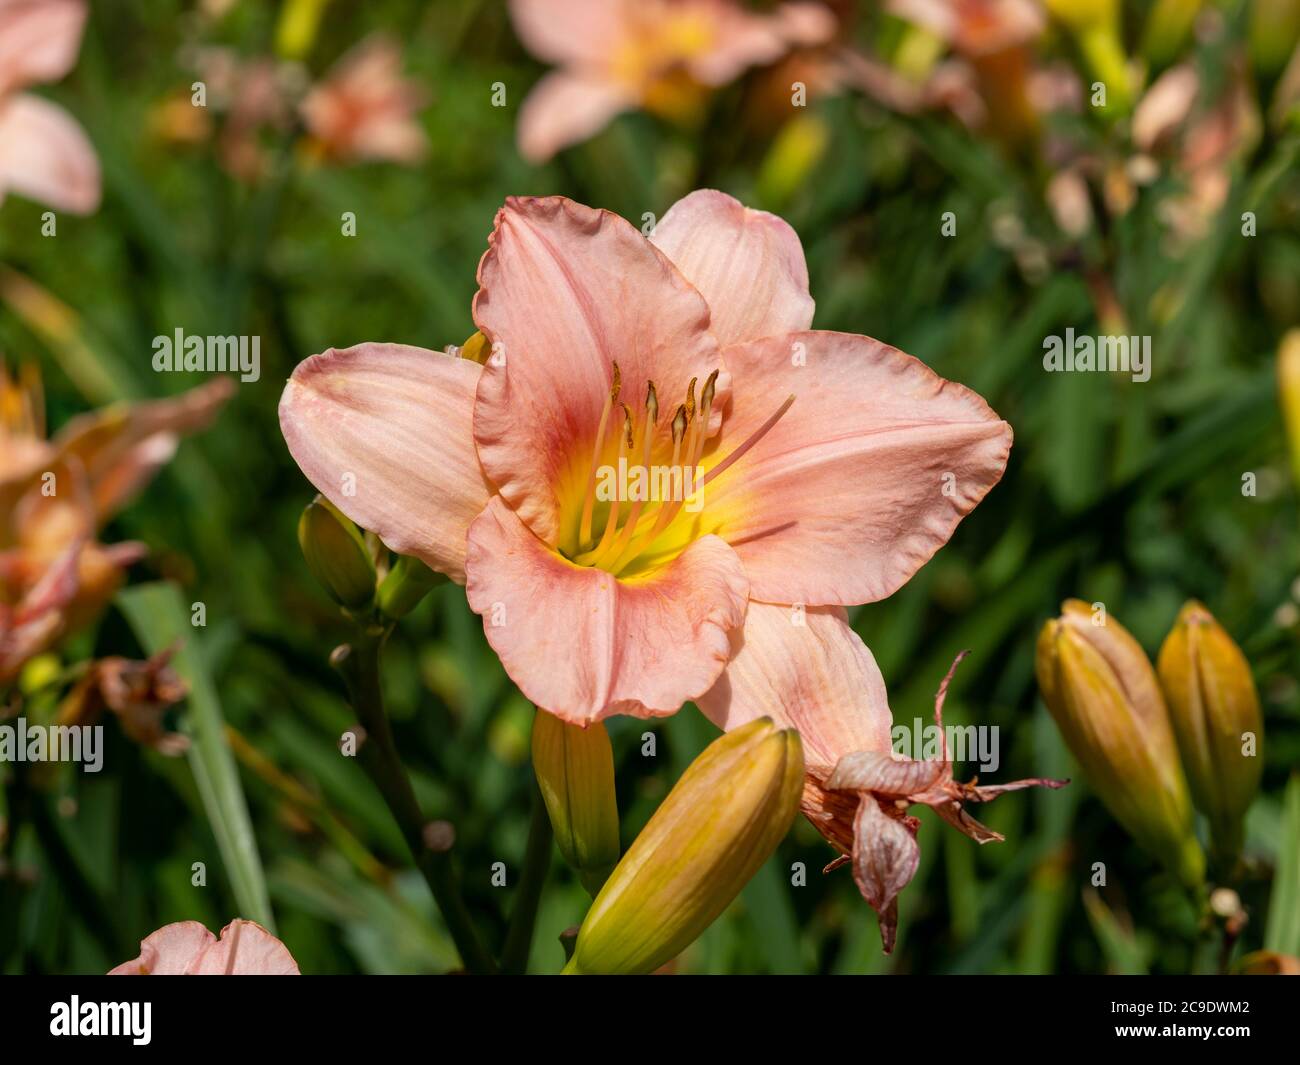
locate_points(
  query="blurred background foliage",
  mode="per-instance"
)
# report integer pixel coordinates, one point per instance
(1117, 492)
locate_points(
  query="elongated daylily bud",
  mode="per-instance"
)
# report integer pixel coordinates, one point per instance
(1215, 713)
(1101, 690)
(1288, 389)
(336, 554)
(1096, 26)
(720, 823)
(575, 770)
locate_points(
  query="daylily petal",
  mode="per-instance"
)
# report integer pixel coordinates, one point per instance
(122, 447)
(885, 858)
(584, 645)
(882, 772)
(186, 948)
(39, 40)
(571, 31)
(384, 433)
(565, 291)
(566, 108)
(864, 478)
(741, 40)
(807, 670)
(748, 265)
(169, 951)
(45, 156)
(246, 949)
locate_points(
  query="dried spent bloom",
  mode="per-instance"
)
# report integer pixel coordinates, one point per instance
(575, 772)
(662, 55)
(717, 826)
(186, 948)
(56, 494)
(138, 693)
(44, 155)
(791, 465)
(365, 109)
(815, 674)
(1100, 688)
(1215, 712)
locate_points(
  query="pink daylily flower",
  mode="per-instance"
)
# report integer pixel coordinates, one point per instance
(818, 677)
(44, 153)
(186, 948)
(54, 574)
(489, 473)
(365, 109)
(615, 55)
(975, 27)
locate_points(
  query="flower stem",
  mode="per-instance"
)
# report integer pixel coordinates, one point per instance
(537, 862)
(358, 663)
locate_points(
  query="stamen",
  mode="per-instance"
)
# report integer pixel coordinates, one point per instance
(589, 503)
(701, 434)
(758, 434)
(647, 443)
(624, 446)
(625, 554)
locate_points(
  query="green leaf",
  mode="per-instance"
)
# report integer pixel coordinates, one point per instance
(1122, 950)
(159, 617)
(1283, 930)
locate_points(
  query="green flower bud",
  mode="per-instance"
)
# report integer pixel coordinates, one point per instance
(1215, 713)
(720, 822)
(1102, 692)
(406, 584)
(336, 554)
(575, 771)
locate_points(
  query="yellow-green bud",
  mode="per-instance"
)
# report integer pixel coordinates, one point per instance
(336, 554)
(408, 582)
(1215, 713)
(575, 771)
(1096, 27)
(718, 825)
(1080, 14)
(1103, 694)
(1288, 388)
(1168, 26)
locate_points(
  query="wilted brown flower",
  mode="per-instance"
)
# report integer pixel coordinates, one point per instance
(139, 693)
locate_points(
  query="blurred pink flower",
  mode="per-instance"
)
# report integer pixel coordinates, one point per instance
(186, 948)
(365, 109)
(975, 27)
(615, 55)
(1201, 138)
(824, 455)
(54, 575)
(44, 154)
